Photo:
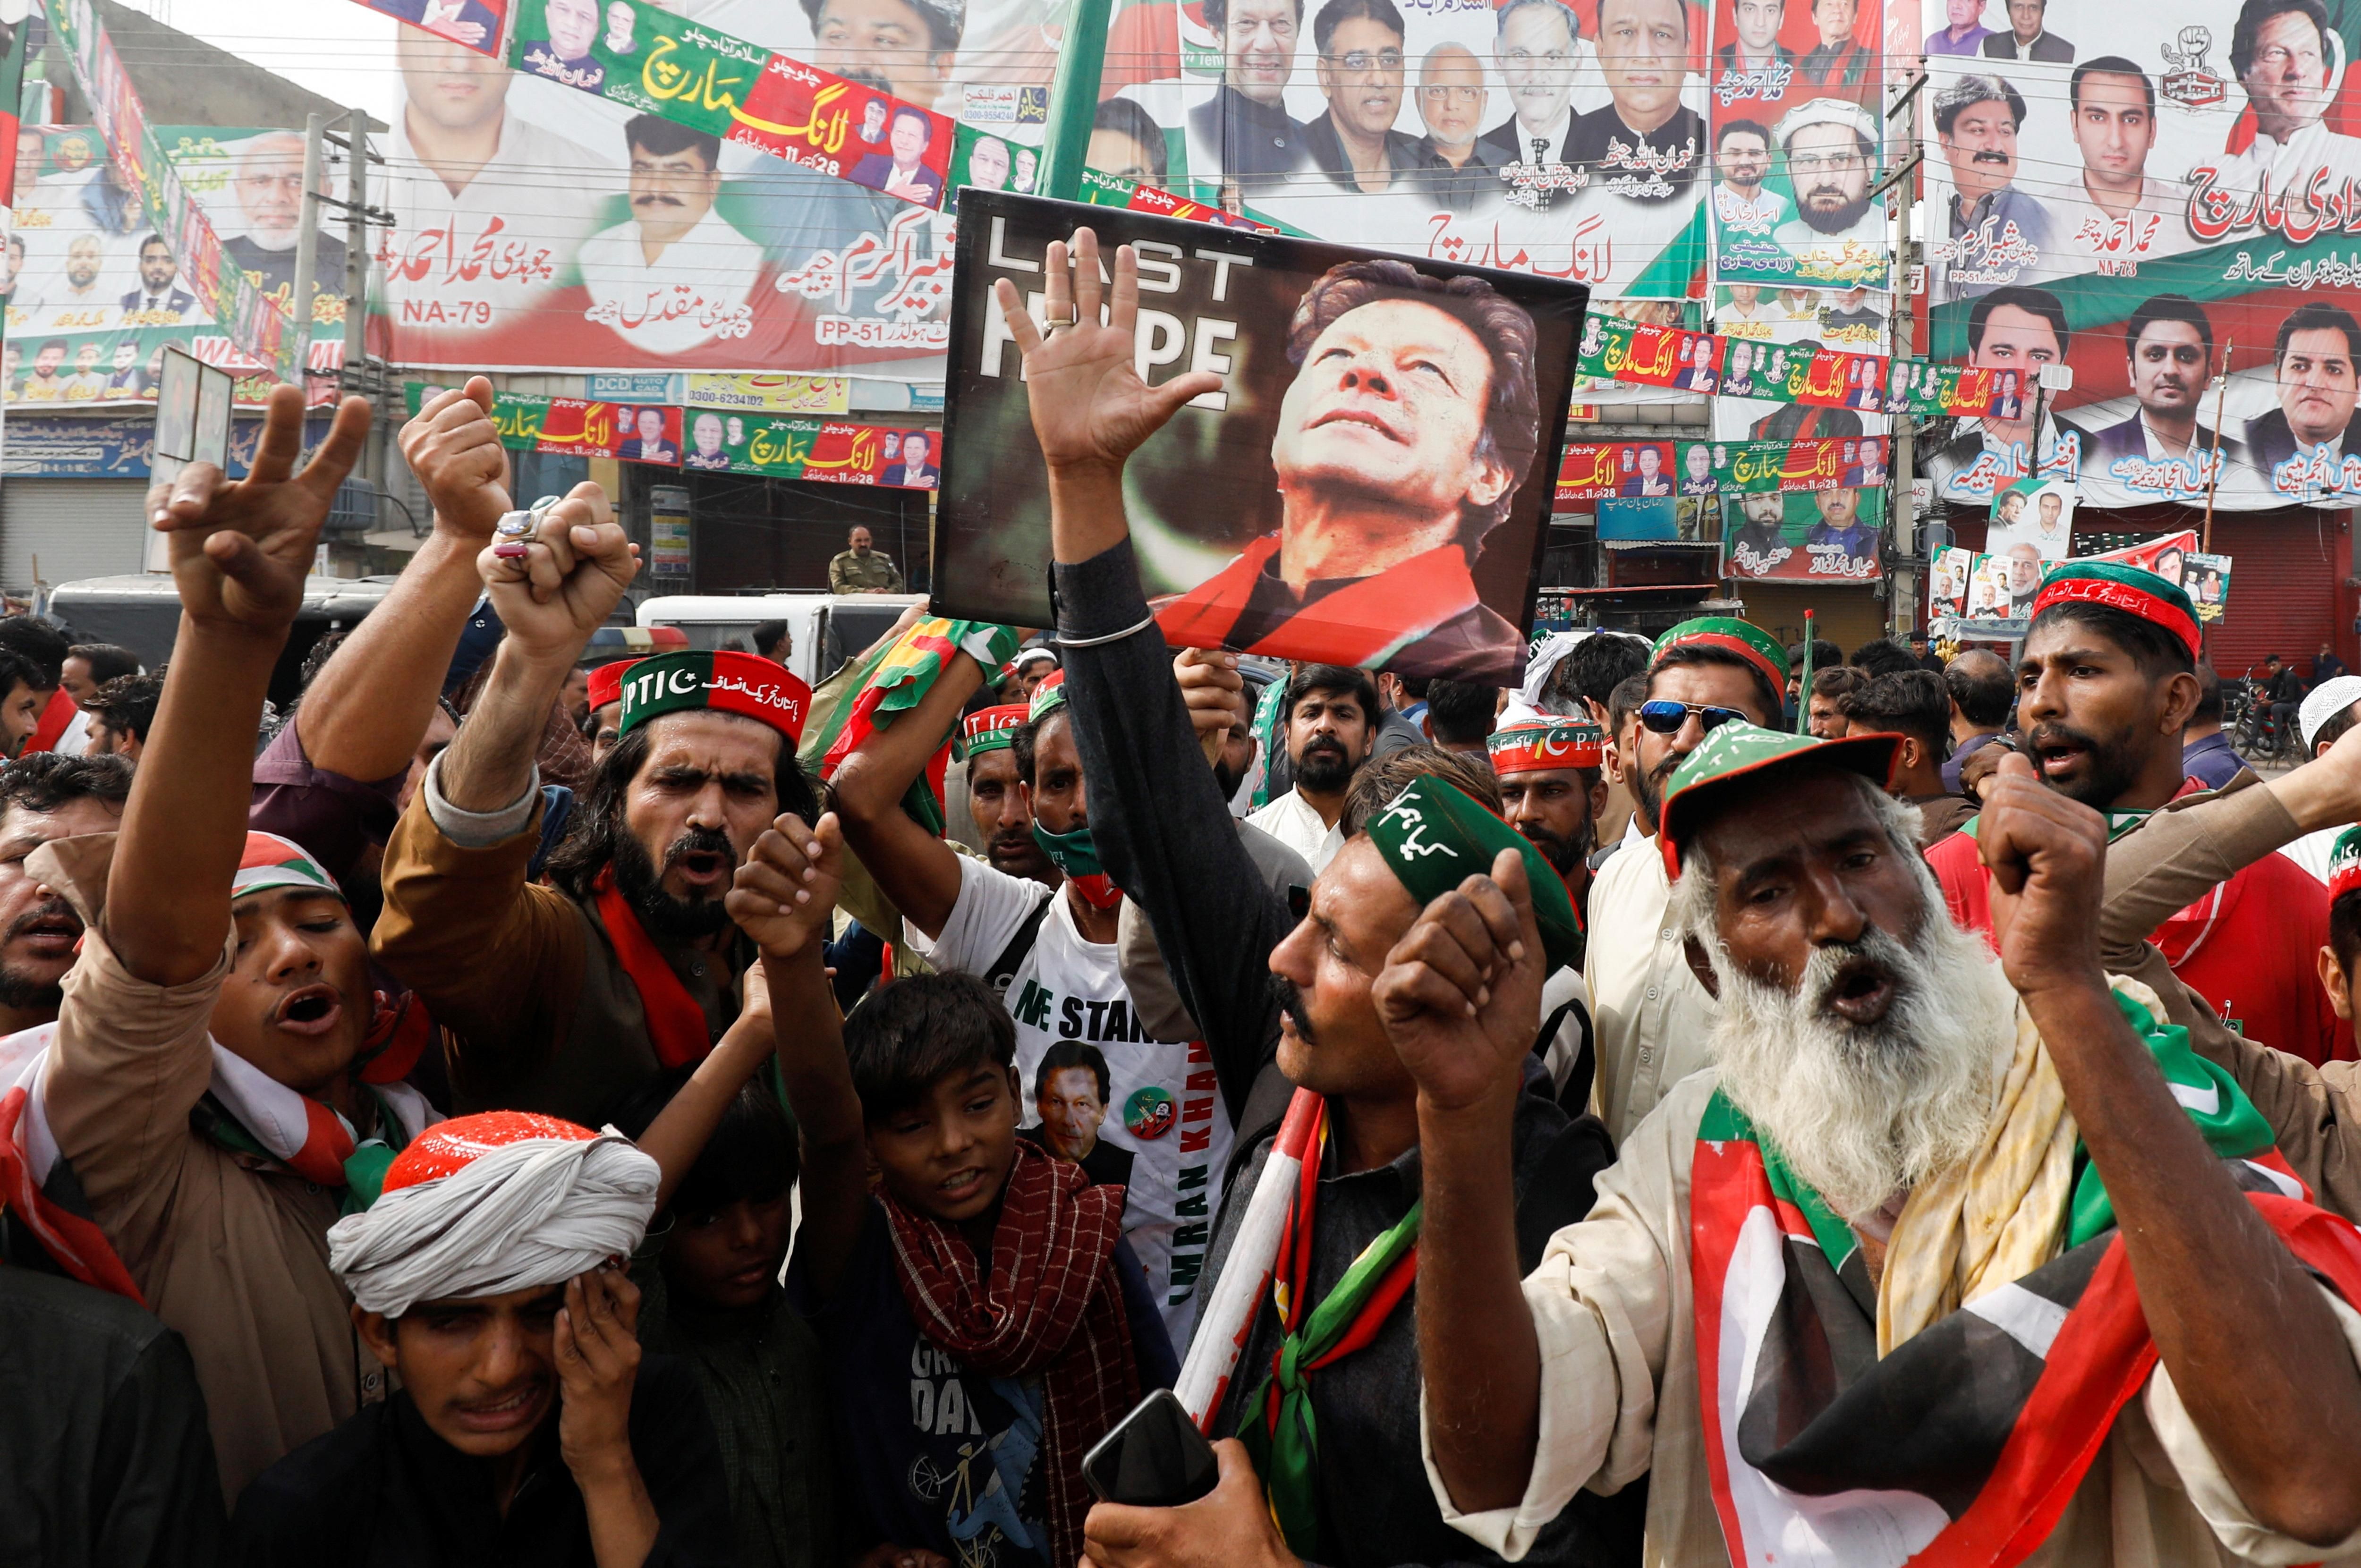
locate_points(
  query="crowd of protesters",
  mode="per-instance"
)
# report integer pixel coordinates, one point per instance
(520, 1108)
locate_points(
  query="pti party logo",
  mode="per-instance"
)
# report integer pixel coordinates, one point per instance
(2189, 83)
(1149, 1113)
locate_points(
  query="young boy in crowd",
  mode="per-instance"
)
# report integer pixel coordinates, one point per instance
(528, 1430)
(710, 1291)
(984, 1321)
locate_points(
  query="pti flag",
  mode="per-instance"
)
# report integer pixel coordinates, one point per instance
(1296, 511)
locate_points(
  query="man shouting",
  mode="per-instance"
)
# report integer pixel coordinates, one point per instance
(573, 994)
(1914, 1172)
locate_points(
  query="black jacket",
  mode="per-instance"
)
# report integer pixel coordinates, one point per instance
(383, 1491)
(105, 1455)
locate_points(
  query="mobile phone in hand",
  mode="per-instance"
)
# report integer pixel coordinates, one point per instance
(1155, 1457)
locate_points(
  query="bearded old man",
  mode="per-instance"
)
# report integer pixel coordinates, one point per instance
(1946, 1256)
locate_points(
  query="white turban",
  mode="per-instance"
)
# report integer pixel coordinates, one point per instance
(482, 1205)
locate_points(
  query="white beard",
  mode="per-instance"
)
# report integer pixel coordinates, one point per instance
(1861, 1112)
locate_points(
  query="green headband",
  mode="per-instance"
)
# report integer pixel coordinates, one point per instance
(1737, 749)
(1435, 835)
(1748, 641)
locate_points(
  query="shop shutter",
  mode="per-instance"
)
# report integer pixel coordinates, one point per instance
(2283, 580)
(78, 528)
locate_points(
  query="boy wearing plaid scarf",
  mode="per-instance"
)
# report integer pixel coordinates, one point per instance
(985, 1322)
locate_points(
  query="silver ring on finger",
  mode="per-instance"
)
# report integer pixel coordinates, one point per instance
(1055, 321)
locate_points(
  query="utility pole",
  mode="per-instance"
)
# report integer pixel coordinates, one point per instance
(357, 248)
(1902, 321)
(307, 251)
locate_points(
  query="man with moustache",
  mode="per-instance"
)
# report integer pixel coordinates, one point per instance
(1359, 47)
(1840, 530)
(1331, 717)
(1988, 219)
(1644, 143)
(1653, 1017)
(908, 48)
(623, 962)
(1831, 147)
(43, 796)
(1244, 133)
(1964, 32)
(634, 272)
(1740, 202)
(1551, 77)
(2169, 347)
(1227, 936)
(2314, 363)
(2027, 39)
(1896, 1126)
(1552, 792)
(1453, 168)
(451, 140)
(2106, 685)
(267, 173)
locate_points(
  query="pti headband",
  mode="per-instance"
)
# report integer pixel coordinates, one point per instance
(1048, 698)
(2344, 865)
(606, 683)
(1435, 836)
(1748, 641)
(1533, 748)
(272, 861)
(722, 681)
(1736, 750)
(2128, 588)
(991, 729)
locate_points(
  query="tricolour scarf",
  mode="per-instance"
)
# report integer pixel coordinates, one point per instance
(1365, 623)
(676, 1026)
(1277, 1422)
(255, 1117)
(1948, 1416)
(1051, 1308)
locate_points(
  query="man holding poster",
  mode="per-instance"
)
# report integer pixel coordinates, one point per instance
(1402, 441)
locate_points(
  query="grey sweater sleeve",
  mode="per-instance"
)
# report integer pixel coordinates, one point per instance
(1158, 821)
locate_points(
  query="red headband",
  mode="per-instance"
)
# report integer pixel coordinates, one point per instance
(2151, 607)
(606, 683)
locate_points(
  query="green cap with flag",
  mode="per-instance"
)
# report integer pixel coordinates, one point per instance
(1732, 635)
(1739, 749)
(2157, 600)
(2344, 865)
(1435, 835)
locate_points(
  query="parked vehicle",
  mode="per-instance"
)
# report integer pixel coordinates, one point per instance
(827, 628)
(141, 611)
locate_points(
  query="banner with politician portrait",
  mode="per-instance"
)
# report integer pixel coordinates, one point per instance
(624, 198)
(1369, 486)
(1796, 120)
(1565, 139)
(1824, 536)
(2154, 196)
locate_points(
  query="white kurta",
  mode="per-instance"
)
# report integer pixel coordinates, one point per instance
(1294, 822)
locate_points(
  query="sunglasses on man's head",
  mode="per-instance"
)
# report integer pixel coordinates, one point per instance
(1667, 718)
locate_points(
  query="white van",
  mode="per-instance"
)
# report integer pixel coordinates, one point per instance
(828, 627)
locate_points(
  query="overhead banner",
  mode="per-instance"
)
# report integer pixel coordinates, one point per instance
(2148, 195)
(641, 226)
(1599, 470)
(149, 195)
(1809, 372)
(643, 432)
(1293, 512)
(824, 452)
(93, 296)
(1519, 136)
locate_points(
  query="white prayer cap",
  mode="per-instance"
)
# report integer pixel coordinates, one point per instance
(482, 1205)
(2328, 699)
(1827, 112)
